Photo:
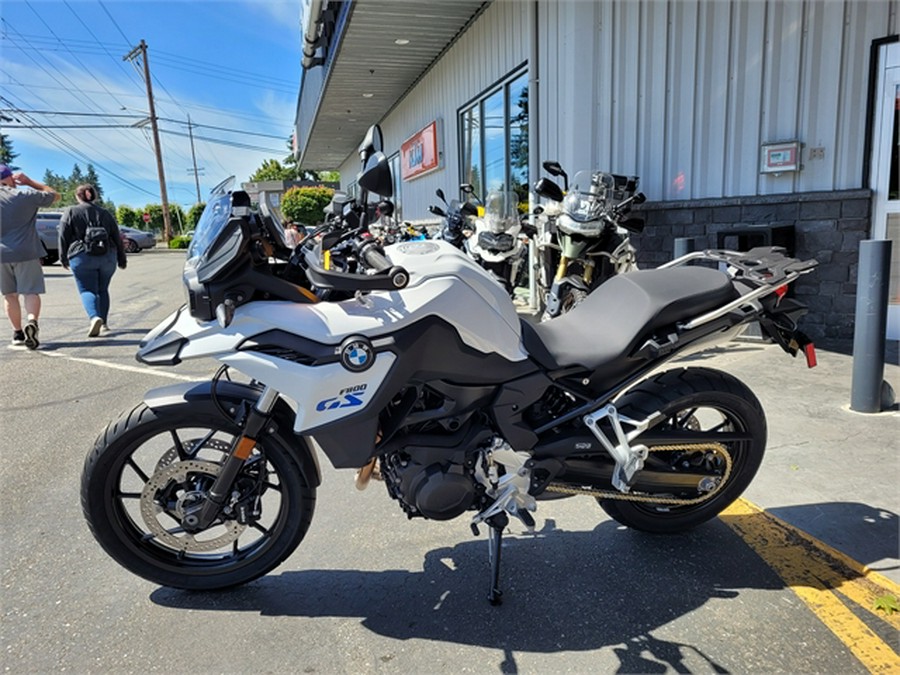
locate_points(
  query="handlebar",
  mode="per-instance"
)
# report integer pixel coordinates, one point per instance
(374, 258)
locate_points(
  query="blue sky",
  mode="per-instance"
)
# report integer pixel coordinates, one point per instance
(232, 65)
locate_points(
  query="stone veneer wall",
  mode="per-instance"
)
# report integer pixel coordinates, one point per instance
(828, 226)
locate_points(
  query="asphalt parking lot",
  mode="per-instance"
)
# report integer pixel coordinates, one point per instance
(792, 579)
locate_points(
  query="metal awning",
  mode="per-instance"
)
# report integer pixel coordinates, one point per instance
(381, 48)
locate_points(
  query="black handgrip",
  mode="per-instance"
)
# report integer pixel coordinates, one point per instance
(375, 260)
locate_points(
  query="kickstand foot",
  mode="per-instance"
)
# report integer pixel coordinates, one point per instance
(495, 541)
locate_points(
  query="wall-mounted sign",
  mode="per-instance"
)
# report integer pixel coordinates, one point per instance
(419, 153)
(780, 157)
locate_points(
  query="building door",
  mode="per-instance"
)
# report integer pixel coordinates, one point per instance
(886, 173)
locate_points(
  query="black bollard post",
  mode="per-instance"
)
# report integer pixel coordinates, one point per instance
(871, 325)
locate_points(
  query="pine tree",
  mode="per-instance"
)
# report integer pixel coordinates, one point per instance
(7, 154)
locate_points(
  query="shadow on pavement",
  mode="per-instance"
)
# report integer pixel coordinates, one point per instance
(569, 591)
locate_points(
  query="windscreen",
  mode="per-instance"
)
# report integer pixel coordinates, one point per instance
(213, 219)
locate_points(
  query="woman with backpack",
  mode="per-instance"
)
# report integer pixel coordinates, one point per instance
(90, 243)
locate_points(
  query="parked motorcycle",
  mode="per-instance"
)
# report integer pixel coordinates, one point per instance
(456, 215)
(418, 371)
(389, 230)
(491, 233)
(583, 235)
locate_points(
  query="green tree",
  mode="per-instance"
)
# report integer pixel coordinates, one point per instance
(178, 219)
(62, 186)
(127, 216)
(156, 217)
(290, 162)
(91, 178)
(306, 205)
(7, 154)
(193, 215)
(272, 169)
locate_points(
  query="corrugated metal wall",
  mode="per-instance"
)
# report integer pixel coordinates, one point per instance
(680, 92)
(684, 92)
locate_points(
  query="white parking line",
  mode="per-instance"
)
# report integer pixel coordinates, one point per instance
(116, 366)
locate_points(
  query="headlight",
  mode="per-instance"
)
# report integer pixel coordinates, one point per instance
(499, 243)
(569, 225)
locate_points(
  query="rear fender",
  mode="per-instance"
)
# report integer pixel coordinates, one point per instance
(232, 395)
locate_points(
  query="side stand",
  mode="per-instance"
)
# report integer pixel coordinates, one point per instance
(497, 524)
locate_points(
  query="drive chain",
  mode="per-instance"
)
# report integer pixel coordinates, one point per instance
(657, 499)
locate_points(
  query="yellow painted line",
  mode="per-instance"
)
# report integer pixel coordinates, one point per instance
(813, 571)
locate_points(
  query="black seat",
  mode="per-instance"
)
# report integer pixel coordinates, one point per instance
(611, 322)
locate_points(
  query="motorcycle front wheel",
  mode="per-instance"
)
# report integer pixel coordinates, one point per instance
(149, 467)
(714, 408)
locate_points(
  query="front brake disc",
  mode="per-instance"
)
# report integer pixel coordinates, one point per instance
(177, 538)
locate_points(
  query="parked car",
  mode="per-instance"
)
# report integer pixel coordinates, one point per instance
(47, 225)
(136, 241)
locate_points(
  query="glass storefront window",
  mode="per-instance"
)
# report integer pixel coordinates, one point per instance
(493, 135)
(471, 140)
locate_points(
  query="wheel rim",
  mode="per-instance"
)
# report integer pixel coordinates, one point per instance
(131, 246)
(165, 473)
(709, 419)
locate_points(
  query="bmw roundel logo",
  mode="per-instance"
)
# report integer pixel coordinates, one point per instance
(357, 354)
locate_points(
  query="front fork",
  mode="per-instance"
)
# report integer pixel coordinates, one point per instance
(241, 448)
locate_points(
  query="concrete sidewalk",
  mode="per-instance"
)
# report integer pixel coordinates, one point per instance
(829, 471)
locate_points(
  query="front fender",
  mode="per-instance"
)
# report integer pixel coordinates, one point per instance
(232, 395)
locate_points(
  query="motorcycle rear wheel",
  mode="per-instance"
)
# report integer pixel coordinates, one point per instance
(698, 399)
(148, 466)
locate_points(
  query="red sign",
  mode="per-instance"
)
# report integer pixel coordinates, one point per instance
(146, 217)
(419, 153)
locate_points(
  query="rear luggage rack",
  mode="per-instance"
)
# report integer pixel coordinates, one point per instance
(769, 268)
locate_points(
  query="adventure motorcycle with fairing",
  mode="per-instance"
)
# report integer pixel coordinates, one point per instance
(583, 235)
(416, 370)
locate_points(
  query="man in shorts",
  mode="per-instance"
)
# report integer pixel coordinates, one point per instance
(21, 251)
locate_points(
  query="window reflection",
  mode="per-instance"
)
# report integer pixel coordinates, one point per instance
(894, 184)
(494, 142)
(471, 138)
(494, 139)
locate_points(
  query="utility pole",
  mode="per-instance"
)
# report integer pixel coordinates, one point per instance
(167, 220)
(194, 159)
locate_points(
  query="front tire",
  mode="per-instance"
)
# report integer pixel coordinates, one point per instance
(696, 400)
(148, 466)
(131, 246)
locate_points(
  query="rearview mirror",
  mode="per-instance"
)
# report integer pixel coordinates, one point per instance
(554, 168)
(376, 177)
(440, 194)
(371, 144)
(548, 189)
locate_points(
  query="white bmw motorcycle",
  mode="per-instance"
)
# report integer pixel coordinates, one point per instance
(498, 243)
(410, 365)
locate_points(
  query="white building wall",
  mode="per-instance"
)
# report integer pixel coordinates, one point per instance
(679, 92)
(684, 92)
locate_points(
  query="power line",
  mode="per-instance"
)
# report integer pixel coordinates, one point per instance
(220, 141)
(71, 150)
(162, 119)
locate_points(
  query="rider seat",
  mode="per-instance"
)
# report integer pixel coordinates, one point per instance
(610, 323)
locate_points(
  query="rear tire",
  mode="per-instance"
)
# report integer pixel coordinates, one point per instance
(131, 246)
(696, 399)
(148, 467)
